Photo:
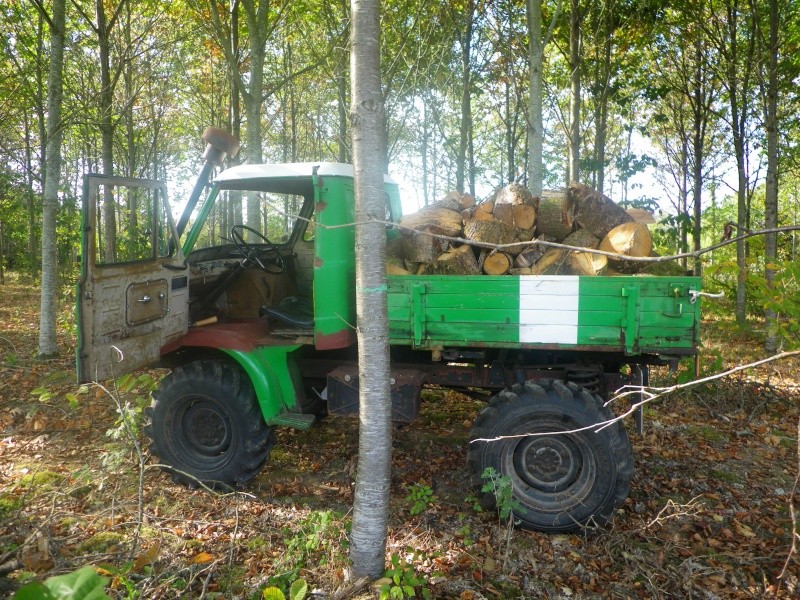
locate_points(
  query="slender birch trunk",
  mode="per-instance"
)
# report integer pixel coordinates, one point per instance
(55, 87)
(371, 503)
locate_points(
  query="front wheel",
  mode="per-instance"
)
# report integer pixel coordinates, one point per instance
(564, 475)
(206, 425)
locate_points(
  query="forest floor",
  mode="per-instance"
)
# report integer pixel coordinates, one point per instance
(708, 514)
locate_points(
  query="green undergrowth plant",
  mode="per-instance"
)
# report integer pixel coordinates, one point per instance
(402, 580)
(319, 541)
(131, 395)
(420, 497)
(83, 584)
(297, 591)
(501, 488)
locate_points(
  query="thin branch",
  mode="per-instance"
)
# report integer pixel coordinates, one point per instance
(650, 393)
(537, 242)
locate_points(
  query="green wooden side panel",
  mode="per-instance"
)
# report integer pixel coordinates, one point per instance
(638, 312)
(627, 313)
(464, 310)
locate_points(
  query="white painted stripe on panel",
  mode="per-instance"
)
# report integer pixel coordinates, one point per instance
(548, 309)
(547, 317)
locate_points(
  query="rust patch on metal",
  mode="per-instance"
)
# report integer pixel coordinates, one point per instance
(231, 336)
(340, 339)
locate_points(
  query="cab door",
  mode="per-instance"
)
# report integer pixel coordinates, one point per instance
(133, 295)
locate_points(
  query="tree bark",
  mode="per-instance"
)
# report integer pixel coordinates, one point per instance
(55, 87)
(456, 261)
(771, 192)
(465, 149)
(595, 211)
(575, 90)
(535, 90)
(371, 500)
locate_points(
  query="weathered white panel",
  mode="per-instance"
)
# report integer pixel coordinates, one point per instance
(548, 309)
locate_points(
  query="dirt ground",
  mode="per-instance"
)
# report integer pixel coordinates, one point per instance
(709, 515)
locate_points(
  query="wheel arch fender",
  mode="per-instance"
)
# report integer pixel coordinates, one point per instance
(274, 374)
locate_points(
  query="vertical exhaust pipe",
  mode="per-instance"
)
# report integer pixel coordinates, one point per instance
(219, 144)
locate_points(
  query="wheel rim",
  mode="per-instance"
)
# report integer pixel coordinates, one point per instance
(550, 473)
(547, 463)
(207, 431)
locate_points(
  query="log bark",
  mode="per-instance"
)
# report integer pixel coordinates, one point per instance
(456, 261)
(582, 238)
(558, 261)
(514, 205)
(668, 268)
(595, 211)
(641, 215)
(481, 212)
(395, 266)
(523, 235)
(435, 219)
(491, 232)
(529, 257)
(551, 219)
(422, 248)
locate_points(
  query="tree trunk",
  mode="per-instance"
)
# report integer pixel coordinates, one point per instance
(465, 133)
(535, 122)
(234, 197)
(575, 90)
(106, 98)
(771, 192)
(601, 104)
(371, 500)
(49, 291)
(2, 255)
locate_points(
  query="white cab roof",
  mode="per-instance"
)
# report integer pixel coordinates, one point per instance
(305, 169)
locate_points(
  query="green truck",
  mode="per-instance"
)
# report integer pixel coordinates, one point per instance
(256, 323)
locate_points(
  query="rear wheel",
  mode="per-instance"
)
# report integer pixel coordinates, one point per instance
(561, 481)
(206, 425)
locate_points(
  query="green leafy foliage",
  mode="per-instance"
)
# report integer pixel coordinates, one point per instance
(297, 591)
(318, 539)
(83, 584)
(420, 496)
(500, 486)
(403, 581)
(131, 410)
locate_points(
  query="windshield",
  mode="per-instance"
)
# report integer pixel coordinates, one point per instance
(273, 216)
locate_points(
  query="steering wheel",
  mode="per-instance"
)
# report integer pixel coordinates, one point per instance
(251, 253)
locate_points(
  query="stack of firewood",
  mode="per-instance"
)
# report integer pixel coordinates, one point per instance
(578, 216)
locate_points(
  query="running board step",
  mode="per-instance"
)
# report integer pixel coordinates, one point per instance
(294, 420)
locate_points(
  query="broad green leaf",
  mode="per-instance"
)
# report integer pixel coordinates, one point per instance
(298, 590)
(272, 593)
